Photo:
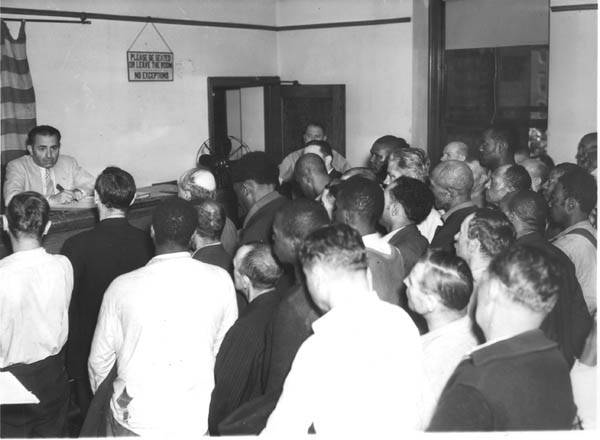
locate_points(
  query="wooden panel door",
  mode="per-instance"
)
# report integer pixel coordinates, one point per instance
(292, 107)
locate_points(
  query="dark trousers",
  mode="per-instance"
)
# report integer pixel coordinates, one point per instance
(47, 379)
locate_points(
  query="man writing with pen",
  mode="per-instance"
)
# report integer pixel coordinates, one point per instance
(58, 177)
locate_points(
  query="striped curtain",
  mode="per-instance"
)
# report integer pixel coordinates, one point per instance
(18, 98)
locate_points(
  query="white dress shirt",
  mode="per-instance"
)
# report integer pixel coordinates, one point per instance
(163, 324)
(359, 374)
(443, 349)
(35, 291)
(428, 226)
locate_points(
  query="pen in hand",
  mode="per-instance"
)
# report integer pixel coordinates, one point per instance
(59, 187)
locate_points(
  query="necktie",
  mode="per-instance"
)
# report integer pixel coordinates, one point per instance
(49, 188)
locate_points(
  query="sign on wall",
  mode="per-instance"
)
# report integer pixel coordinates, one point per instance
(149, 66)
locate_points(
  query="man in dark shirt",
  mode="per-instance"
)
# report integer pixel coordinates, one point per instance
(569, 322)
(518, 379)
(112, 248)
(292, 319)
(254, 179)
(238, 367)
(451, 183)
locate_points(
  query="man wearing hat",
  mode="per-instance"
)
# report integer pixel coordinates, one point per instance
(254, 178)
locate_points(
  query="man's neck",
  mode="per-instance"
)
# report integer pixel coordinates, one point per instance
(201, 242)
(458, 200)
(507, 325)
(363, 229)
(24, 243)
(106, 213)
(575, 218)
(261, 191)
(168, 249)
(399, 223)
(440, 319)
(319, 183)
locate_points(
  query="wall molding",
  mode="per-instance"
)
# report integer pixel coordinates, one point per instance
(581, 7)
(83, 16)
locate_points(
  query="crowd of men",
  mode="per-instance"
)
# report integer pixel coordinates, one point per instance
(359, 301)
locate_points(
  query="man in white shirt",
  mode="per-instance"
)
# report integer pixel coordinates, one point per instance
(483, 235)
(572, 200)
(439, 288)
(57, 177)
(35, 290)
(163, 325)
(350, 379)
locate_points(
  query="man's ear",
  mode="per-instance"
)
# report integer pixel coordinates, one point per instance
(328, 162)
(246, 283)
(133, 200)
(4, 223)
(571, 204)
(47, 228)
(29, 148)
(152, 234)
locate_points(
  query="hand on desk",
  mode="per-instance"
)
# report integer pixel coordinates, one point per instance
(65, 196)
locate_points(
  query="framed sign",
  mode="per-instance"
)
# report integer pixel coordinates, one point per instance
(149, 66)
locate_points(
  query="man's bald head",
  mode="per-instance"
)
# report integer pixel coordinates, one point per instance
(310, 173)
(451, 183)
(456, 151)
(538, 171)
(196, 184)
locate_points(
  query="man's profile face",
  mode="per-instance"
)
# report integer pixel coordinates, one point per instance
(461, 239)
(393, 172)
(379, 155)
(487, 150)
(45, 150)
(313, 133)
(452, 152)
(440, 194)
(557, 204)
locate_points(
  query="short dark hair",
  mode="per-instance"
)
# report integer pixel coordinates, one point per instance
(256, 166)
(324, 147)
(115, 188)
(415, 197)
(260, 266)
(314, 124)
(336, 246)
(529, 206)
(174, 221)
(361, 197)
(298, 218)
(448, 276)
(517, 178)
(392, 142)
(493, 230)
(580, 186)
(27, 214)
(42, 130)
(532, 276)
(211, 219)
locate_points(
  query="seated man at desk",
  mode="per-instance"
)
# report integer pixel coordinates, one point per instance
(57, 177)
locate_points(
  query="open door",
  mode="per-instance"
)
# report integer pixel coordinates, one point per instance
(289, 108)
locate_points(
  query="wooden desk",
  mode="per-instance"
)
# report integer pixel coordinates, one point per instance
(68, 222)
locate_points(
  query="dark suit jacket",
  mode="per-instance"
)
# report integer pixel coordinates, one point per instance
(238, 367)
(521, 383)
(290, 327)
(569, 323)
(259, 225)
(112, 248)
(411, 244)
(444, 235)
(215, 254)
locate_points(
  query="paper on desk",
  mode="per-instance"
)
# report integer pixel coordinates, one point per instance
(13, 392)
(85, 203)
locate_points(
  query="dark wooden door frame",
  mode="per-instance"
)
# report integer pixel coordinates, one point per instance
(216, 84)
(436, 89)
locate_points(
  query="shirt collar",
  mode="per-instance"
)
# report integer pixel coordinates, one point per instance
(351, 310)
(30, 253)
(457, 325)
(390, 235)
(458, 207)
(170, 256)
(585, 224)
(263, 201)
(526, 342)
(376, 242)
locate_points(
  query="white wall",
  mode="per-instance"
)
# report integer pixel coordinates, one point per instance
(573, 77)
(496, 23)
(375, 63)
(151, 129)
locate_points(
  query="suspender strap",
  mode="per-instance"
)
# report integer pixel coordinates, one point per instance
(584, 233)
